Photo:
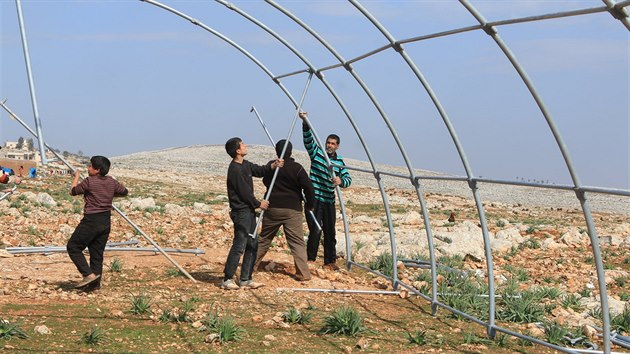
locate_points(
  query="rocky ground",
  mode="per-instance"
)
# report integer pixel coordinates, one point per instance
(178, 199)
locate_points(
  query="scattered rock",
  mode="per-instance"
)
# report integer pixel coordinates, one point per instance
(42, 329)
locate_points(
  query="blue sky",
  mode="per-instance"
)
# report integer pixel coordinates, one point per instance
(117, 77)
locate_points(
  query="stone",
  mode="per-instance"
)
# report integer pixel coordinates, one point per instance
(42, 329)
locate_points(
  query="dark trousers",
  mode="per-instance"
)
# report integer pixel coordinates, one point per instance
(242, 245)
(92, 232)
(326, 217)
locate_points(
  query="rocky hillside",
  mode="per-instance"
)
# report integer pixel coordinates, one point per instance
(212, 160)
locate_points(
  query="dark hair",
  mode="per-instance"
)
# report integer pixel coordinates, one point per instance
(334, 136)
(232, 145)
(280, 146)
(100, 163)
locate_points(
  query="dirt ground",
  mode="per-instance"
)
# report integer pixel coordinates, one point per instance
(36, 289)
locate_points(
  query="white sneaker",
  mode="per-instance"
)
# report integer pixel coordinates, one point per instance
(229, 285)
(250, 284)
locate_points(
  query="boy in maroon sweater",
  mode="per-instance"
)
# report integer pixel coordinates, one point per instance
(98, 191)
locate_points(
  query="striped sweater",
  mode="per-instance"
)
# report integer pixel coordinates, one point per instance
(98, 193)
(320, 172)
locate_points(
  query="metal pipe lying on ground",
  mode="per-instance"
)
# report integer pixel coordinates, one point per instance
(20, 250)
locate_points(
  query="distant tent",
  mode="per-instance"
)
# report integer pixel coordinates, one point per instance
(32, 173)
(7, 170)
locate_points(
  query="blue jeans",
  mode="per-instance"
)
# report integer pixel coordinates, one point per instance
(242, 245)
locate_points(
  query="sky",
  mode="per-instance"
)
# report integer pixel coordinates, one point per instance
(117, 77)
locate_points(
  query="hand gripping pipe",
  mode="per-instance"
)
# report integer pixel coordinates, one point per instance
(310, 212)
(284, 149)
(14, 116)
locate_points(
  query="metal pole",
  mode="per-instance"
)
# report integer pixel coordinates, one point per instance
(284, 149)
(19, 250)
(6, 194)
(342, 291)
(31, 84)
(113, 206)
(310, 212)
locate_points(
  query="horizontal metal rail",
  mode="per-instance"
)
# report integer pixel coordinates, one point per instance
(108, 249)
(342, 291)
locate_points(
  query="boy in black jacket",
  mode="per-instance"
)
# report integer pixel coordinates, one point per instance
(243, 203)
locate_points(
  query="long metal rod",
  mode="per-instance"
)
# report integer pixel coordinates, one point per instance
(342, 291)
(31, 83)
(603, 293)
(310, 212)
(108, 244)
(284, 149)
(13, 250)
(19, 120)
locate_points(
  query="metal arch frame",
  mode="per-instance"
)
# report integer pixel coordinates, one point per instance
(374, 170)
(464, 159)
(617, 10)
(377, 175)
(396, 45)
(581, 195)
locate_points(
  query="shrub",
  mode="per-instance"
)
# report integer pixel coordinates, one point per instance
(94, 336)
(382, 263)
(548, 292)
(555, 333)
(294, 315)
(116, 265)
(621, 322)
(571, 301)
(8, 330)
(520, 309)
(344, 321)
(228, 330)
(418, 337)
(140, 304)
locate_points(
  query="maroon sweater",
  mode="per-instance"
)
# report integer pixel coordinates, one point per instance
(98, 193)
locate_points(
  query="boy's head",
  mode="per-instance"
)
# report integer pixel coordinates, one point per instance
(280, 146)
(100, 163)
(232, 145)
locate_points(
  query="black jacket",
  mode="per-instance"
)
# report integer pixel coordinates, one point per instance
(287, 191)
(240, 186)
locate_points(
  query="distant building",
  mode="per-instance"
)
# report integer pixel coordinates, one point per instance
(10, 151)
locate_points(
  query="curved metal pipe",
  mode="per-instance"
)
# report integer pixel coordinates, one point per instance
(316, 137)
(462, 154)
(580, 194)
(376, 104)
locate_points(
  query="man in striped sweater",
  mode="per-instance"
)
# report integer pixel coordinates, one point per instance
(325, 178)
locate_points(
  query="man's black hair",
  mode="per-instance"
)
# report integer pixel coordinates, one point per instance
(100, 163)
(280, 146)
(232, 145)
(334, 136)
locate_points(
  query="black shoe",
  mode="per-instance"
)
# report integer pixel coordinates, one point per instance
(96, 285)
